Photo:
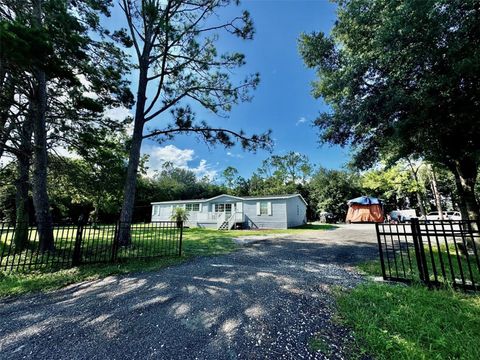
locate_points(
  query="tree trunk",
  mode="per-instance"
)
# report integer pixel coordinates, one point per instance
(133, 160)
(22, 219)
(465, 172)
(462, 205)
(22, 203)
(418, 194)
(40, 195)
(420, 203)
(436, 194)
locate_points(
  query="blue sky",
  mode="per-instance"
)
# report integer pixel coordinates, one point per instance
(282, 102)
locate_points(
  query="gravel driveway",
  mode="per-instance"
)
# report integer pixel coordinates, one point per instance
(266, 300)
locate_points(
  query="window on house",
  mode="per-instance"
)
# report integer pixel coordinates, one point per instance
(263, 208)
(224, 208)
(298, 210)
(192, 207)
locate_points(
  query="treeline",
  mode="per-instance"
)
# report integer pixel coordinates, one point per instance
(90, 188)
(82, 190)
(406, 184)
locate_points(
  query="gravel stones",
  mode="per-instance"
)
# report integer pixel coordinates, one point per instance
(266, 301)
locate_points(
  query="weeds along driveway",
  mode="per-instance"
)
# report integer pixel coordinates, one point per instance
(266, 300)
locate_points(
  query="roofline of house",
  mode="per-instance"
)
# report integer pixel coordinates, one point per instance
(272, 197)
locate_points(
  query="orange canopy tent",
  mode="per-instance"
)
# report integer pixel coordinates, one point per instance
(364, 209)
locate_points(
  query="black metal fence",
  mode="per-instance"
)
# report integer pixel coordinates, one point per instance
(434, 252)
(21, 247)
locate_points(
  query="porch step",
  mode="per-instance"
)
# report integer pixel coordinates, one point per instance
(224, 226)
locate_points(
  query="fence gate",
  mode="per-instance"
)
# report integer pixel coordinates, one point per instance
(433, 252)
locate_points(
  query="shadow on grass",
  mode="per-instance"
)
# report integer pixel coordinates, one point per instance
(196, 242)
(22, 283)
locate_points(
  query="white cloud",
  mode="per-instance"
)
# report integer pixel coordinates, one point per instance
(158, 155)
(301, 121)
(118, 113)
(203, 169)
(229, 153)
(62, 151)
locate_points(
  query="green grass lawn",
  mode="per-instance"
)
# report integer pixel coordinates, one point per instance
(196, 242)
(410, 322)
(445, 262)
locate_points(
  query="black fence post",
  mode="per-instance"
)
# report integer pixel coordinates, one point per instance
(380, 252)
(115, 241)
(181, 238)
(77, 250)
(420, 251)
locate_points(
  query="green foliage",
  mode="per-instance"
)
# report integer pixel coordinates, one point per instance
(7, 193)
(412, 322)
(230, 175)
(331, 189)
(89, 186)
(391, 71)
(395, 185)
(278, 174)
(179, 214)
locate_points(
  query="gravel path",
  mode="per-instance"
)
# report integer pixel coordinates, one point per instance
(265, 301)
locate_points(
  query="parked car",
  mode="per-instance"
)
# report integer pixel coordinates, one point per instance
(432, 215)
(447, 215)
(454, 215)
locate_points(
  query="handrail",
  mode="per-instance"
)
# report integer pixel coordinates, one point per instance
(220, 220)
(232, 220)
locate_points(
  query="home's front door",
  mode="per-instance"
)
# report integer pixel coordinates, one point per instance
(228, 210)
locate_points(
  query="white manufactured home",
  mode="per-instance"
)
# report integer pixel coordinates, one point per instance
(229, 212)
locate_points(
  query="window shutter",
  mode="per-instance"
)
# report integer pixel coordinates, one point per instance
(258, 208)
(270, 208)
(200, 207)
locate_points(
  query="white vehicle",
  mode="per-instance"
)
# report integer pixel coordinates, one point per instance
(403, 215)
(454, 215)
(447, 215)
(432, 215)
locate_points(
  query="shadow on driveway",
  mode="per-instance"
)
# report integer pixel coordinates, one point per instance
(265, 301)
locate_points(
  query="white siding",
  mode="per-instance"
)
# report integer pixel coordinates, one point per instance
(296, 212)
(276, 220)
(162, 212)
